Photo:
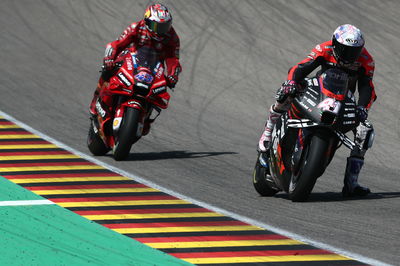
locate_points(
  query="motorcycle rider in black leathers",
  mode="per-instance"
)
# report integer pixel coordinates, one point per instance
(345, 51)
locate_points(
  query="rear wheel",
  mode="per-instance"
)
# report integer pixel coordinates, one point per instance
(312, 165)
(126, 134)
(262, 182)
(95, 143)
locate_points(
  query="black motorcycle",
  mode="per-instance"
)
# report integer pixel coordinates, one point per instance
(306, 137)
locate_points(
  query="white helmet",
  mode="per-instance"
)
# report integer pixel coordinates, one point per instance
(347, 42)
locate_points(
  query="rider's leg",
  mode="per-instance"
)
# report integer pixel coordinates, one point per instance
(275, 113)
(105, 77)
(364, 138)
(284, 99)
(265, 139)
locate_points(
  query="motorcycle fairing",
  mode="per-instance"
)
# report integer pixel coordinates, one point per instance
(321, 109)
(138, 82)
(283, 143)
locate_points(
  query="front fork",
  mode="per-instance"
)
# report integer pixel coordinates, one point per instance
(298, 149)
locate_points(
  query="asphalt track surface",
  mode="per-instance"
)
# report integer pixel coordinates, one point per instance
(234, 56)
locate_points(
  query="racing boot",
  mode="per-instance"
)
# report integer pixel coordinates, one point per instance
(351, 187)
(265, 139)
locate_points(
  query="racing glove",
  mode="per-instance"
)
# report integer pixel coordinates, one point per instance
(288, 88)
(172, 80)
(362, 113)
(109, 56)
(108, 63)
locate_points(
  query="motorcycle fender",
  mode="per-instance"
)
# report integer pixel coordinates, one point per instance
(136, 105)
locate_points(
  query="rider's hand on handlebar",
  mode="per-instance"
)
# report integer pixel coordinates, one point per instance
(362, 113)
(172, 80)
(288, 88)
(108, 63)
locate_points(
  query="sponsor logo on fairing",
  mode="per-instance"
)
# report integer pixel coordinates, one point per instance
(129, 63)
(135, 103)
(305, 107)
(144, 77)
(117, 123)
(124, 79)
(330, 104)
(159, 90)
(100, 109)
(349, 115)
(311, 95)
(312, 103)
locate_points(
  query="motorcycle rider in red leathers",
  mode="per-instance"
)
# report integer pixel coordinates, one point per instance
(345, 51)
(154, 30)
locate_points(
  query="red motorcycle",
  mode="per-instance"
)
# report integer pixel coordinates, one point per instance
(137, 88)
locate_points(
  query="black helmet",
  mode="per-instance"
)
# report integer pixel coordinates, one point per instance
(347, 42)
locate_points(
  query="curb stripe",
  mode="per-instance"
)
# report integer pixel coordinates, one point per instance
(34, 181)
(208, 244)
(266, 259)
(25, 202)
(251, 253)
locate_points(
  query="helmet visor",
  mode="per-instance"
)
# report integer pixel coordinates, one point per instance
(345, 53)
(161, 28)
(350, 54)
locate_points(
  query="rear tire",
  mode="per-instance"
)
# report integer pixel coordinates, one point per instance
(312, 166)
(126, 134)
(260, 182)
(95, 143)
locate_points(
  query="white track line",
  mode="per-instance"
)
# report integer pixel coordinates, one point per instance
(25, 202)
(200, 203)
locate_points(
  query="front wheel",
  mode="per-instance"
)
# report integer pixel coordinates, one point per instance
(126, 134)
(262, 180)
(312, 165)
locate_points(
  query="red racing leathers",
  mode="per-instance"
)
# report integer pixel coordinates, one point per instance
(138, 35)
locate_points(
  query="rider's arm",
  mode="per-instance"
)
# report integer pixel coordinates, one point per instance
(366, 88)
(309, 64)
(172, 55)
(123, 41)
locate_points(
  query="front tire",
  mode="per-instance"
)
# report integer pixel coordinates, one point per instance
(312, 166)
(263, 186)
(126, 134)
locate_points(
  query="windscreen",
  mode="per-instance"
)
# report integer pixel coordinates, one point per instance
(334, 83)
(146, 57)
